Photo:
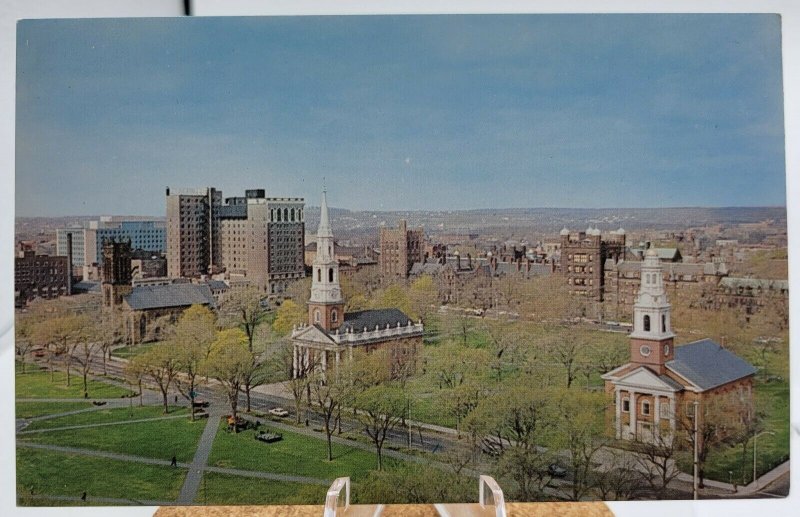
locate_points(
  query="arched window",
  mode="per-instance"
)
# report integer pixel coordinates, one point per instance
(279, 215)
(286, 214)
(316, 316)
(272, 215)
(663, 323)
(291, 214)
(330, 274)
(334, 315)
(319, 275)
(646, 323)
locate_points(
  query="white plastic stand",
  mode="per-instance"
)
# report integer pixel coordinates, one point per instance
(338, 506)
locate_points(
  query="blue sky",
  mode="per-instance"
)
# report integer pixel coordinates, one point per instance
(402, 112)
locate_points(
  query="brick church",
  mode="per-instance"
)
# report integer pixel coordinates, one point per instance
(331, 334)
(655, 392)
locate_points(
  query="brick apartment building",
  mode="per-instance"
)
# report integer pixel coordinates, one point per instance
(584, 256)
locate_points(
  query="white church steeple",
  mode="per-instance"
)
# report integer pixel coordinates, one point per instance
(651, 339)
(326, 303)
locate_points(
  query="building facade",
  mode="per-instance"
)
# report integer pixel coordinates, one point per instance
(40, 276)
(584, 256)
(400, 249)
(331, 335)
(254, 239)
(117, 275)
(655, 392)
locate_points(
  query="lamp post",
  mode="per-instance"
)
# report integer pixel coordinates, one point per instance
(755, 438)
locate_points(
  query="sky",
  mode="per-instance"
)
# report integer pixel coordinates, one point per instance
(401, 112)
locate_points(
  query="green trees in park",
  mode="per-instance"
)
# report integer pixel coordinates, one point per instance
(380, 409)
(289, 315)
(192, 339)
(229, 362)
(59, 335)
(160, 364)
(330, 390)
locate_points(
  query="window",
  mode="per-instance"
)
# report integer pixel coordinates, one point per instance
(330, 274)
(645, 407)
(663, 323)
(646, 323)
(664, 409)
(626, 405)
(334, 315)
(316, 316)
(319, 275)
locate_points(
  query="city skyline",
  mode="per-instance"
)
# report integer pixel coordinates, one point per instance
(402, 112)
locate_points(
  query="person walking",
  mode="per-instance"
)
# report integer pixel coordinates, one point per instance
(174, 461)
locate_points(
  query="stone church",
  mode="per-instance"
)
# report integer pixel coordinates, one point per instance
(655, 392)
(331, 334)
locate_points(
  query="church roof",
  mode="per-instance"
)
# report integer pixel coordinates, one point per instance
(146, 297)
(708, 365)
(370, 318)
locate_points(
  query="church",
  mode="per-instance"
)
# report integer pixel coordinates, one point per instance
(331, 334)
(657, 389)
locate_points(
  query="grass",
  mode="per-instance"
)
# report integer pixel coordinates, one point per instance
(129, 352)
(295, 454)
(37, 409)
(107, 415)
(773, 399)
(55, 473)
(157, 439)
(226, 489)
(35, 383)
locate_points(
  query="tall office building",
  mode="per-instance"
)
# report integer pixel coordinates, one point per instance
(254, 238)
(400, 249)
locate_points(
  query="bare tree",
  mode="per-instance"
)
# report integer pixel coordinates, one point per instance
(656, 461)
(82, 354)
(380, 409)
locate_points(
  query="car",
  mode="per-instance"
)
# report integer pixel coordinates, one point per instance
(279, 412)
(556, 470)
(198, 403)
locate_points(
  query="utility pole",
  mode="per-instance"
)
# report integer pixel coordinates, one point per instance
(696, 477)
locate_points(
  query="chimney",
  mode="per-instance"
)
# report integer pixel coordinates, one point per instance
(167, 190)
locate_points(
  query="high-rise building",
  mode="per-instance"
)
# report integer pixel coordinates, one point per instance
(583, 259)
(87, 241)
(40, 276)
(254, 238)
(193, 232)
(79, 238)
(400, 249)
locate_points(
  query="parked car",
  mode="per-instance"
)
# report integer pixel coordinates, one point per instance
(556, 470)
(200, 403)
(279, 412)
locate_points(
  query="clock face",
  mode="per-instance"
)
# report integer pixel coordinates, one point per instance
(644, 350)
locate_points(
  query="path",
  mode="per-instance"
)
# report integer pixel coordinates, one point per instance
(192, 483)
(166, 463)
(105, 500)
(99, 424)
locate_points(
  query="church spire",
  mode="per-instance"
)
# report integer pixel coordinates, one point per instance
(326, 305)
(651, 339)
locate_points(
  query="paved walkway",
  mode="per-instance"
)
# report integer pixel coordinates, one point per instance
(104, 500)
(195, 475)
(99, 424)
(166, 463)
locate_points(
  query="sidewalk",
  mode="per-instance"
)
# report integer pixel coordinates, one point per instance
(749, 489)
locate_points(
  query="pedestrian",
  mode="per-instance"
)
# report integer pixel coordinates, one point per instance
(176, 399)
(174, 461)
(83, 496)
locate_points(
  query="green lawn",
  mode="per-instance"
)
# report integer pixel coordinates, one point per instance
(295, 454)
(107, 415)
(128, 352)
(36, 384)
(54, 473)
(225, 489)
(158, 439)
(773, 399)
(36, 409)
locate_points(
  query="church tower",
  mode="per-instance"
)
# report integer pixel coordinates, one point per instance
(651, 339)
(326, 306)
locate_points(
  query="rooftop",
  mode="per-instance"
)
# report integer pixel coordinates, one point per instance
(147, 297)
(708, 364)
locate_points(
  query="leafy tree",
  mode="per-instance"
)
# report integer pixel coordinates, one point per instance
(134, 373)
(450, 364)
(423, 296)
(82, 354)
(566, 350)
(330, 390)
(160, 364)
(288, 316)
(656, 461)
(193, 336)
(580, 426)
(620, 478)
(299, 382)
(60, 335)
(228, 362)
(243, 308)
(380, 409)
(109, 331)
(414, 483)
(394, 296)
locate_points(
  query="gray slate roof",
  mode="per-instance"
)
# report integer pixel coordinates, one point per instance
(146, 297)
(380, 317)
(708, 365)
